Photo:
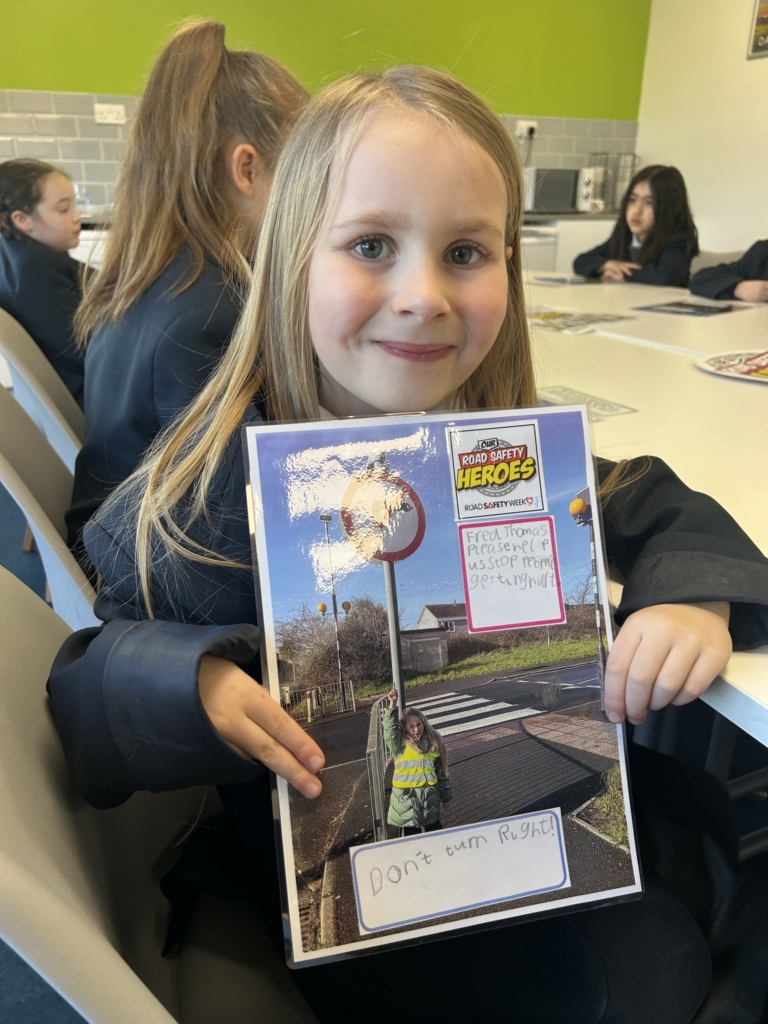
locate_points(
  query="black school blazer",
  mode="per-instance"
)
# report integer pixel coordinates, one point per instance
(143, 370)
(720, 282)
(672, 268)
(42, 288)
(125, 697)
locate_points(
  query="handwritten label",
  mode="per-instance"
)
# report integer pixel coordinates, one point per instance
(437, 873)
(511, 574)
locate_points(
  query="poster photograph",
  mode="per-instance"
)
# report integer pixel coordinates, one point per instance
(432, 592)
(758, 36)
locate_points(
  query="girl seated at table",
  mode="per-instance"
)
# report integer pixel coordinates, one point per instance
(654, 239)
(746, 279)
(387, 280)
(40, 283)
(189, 201)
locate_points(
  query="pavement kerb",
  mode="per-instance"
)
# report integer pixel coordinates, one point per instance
(329, 923)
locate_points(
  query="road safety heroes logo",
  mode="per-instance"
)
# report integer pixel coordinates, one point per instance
(496, 470)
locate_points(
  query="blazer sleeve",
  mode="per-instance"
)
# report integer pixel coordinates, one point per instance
(671, 269)
(50, 289)
(675, 545)
(720, 282)
(121, 731)
(588, 264)
(187, 353)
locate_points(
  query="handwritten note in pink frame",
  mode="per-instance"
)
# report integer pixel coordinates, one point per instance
(511, 574)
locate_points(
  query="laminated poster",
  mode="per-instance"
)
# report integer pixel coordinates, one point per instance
(432, 592)
(571, 321)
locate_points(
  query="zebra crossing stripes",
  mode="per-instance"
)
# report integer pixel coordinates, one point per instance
(509, 716)
(467, 713)
(461, 713)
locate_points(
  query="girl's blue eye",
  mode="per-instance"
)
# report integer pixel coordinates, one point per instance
(463, 255)
(372, 248)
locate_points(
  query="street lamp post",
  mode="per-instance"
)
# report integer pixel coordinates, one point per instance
(325, 519)
(581, 510)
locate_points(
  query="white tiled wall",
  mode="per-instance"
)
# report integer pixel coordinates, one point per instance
(59, 127)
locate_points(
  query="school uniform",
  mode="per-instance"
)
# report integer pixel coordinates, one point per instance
(672, 268)
(144, 369)
(720, 282)
(42, 288)
(126, 704)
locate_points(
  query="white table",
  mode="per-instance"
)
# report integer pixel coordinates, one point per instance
(744, 329)
(711, 430)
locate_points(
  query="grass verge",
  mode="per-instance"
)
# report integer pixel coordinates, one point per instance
(606, 812)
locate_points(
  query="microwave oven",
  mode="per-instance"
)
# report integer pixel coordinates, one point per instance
(555, 190)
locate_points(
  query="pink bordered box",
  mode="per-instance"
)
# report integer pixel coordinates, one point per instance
(511, 574)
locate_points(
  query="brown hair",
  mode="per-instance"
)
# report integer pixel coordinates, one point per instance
(22, 183)
(434, 739)
(271, 353)
(199, 97)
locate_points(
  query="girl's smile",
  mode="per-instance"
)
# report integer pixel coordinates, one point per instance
(408, 282)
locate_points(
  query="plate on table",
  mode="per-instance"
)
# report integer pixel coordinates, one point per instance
(750, 365)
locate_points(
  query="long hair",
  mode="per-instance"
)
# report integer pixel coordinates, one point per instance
(271, 352)
(171, 188)
(672, 215)
(435, 740)
(22, 183)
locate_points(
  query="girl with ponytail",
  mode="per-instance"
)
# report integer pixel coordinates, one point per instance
(188, 206)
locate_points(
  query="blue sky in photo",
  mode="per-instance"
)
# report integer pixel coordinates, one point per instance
(304, 473)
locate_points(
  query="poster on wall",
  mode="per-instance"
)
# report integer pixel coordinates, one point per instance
(758, 37)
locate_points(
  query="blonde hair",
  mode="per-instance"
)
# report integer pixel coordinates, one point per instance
(271, 352)
(199, 97)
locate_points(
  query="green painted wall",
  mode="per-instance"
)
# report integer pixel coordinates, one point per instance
(548, 57)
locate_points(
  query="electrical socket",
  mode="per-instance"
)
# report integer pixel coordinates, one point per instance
(109, 113)
(523, 129)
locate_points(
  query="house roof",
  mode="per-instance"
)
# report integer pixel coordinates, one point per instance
(447, 611)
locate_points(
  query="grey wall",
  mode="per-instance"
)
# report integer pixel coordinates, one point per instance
(568, 141)
(59, 127)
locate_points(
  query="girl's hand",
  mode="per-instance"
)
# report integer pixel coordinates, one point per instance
(668, 653)
(617, 270)
(751, 291)
(392, 698)
(250, 721)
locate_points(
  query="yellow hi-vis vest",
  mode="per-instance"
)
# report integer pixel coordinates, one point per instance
(413, 769)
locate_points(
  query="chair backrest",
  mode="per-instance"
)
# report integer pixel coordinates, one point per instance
(713, 259)
(41, 392)
(41, 486)
(78, 896)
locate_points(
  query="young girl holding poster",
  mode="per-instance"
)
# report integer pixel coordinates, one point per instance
(387, 279)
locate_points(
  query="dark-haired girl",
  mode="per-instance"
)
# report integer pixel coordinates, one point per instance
(40, 283)
(188, 206)
(654, 239)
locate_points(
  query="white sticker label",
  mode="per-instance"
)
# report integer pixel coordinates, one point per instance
(458, 869)
(496, 470)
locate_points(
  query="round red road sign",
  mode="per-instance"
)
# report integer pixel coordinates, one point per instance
(382, 517)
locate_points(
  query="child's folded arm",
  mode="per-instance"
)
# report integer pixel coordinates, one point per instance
(126, 704)
(674, 545)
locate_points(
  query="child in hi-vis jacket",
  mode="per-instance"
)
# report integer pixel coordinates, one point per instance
(420, 783)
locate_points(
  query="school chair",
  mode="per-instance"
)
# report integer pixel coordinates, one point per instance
(41, 485)
(41, 392)
(79, 899)
(713, 259)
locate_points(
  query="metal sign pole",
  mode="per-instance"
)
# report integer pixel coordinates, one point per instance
(393, 616)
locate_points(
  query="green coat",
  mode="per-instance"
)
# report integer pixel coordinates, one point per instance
(417, 805)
